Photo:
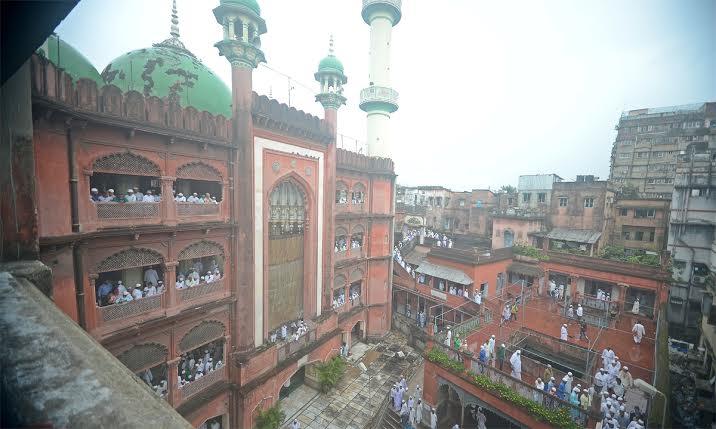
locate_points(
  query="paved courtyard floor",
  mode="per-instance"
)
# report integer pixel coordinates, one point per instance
(356, 398)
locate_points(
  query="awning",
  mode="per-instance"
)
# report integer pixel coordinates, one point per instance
(575, 235)
(414, 258)
(526, 269)
(443, 272)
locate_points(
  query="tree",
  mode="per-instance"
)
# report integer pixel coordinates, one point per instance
(330, 373)
(508, 189)
(270, 418)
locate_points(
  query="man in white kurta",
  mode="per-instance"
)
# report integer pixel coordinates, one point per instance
(635, 307)
(563, 334)
(491, 349)
(516, 362)
(638, 331)
(433, 419)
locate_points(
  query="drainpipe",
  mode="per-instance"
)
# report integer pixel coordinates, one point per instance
(78, 267)
(72, 164)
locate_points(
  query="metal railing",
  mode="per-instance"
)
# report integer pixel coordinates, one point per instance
(379, 94)
(520, 387)
(200, 290)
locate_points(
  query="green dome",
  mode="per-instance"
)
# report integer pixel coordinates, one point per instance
(64, 55)
(169, 70)
(330, 64)
(252, 5)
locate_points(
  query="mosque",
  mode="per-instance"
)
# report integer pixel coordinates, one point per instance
(212, 239)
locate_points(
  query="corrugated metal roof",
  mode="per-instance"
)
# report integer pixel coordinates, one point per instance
(443, 272)
(415, 258)
(576, 235)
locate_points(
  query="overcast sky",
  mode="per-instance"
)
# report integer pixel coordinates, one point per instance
(489, 90)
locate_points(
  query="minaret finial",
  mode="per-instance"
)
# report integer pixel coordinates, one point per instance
(330, 45)
(175, 21)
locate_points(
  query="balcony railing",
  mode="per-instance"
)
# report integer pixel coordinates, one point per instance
(379, 95)
(193, 209)
(200, 290)
(196, 386)
(291, 347)
(127, 210)
(130, 309)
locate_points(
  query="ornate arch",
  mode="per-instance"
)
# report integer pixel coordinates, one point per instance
(340, 230)
(358, 187)
(356, 274)
(357, 229)
(201, 249)
(198, 171)
(143, 356)
(129, 258)
(204, 332)
(339, 281)
(126, 163)
(341, 185)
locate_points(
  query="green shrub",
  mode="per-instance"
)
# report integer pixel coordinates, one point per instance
(270, 418)
(530, 251)
(330, 373)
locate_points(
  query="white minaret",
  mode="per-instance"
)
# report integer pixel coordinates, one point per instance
(379, 100)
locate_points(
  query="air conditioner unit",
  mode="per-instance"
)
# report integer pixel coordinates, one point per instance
(699, 280)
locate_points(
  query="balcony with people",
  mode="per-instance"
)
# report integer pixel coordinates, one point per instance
(350, 198)
(349, 246)
(200, 274)
(291, 337)
(198, 193)
(125, 189)
(126, 293)
(201, 367)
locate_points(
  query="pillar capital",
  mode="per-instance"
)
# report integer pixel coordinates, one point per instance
(240, 54)
(331, 100)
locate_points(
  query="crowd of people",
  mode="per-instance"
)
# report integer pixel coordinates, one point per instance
(195, 198)
(197, 363)
(289, 331)
(160, 388)
(339, 299)
(192, 277)
(133, 195)
(409, 406)
(110, 292)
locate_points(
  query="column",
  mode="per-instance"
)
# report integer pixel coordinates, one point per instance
(172, 386)
(168, 208)
(171, 299)
(91, 303)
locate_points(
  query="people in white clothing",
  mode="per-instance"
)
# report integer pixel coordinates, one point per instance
(638, 331)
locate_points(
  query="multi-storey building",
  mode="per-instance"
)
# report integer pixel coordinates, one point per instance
(279, 225)
(691, 236)
(535, 191)
(638, 224)
(644, 155)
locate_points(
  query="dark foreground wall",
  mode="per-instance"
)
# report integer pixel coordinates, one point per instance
(55, 375)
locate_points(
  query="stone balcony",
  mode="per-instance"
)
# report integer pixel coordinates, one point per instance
(190, 389)
(379, 98)
(119, 215)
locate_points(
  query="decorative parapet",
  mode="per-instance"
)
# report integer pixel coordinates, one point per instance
(373, 7)
(272, 115)
(379, 98)
(348, 160)
(108, 103)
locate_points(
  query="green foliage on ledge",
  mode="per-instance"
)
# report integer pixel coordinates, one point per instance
(618, 253)
(529, 251)
(330, 373)
(557, 417)
(270, 418)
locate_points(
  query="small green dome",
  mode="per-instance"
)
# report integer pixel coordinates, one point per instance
(252, 5)
(330, 64)
(169, 70)
(65, 56)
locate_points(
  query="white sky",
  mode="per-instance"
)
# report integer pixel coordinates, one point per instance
(488, 90)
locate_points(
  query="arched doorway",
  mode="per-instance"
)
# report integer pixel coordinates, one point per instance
(509, 238)
(292, 383)
(449, 408)
(357, 333)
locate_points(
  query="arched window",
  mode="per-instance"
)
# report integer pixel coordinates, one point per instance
(358, 194)
(341, 241)
(357, 237)
(341, 193)
(288, 210)
(509, 238)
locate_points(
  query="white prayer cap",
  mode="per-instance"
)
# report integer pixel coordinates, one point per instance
(161, 282)
(621, 408)
(570, 305)
(94, 190)
(519, 351)
(569, 373)
(565, 325)
(549, 366)
(575, 389)
(554, 389)
(503, 344)
(119, 282)
(616, 357)
(126, 293)
(194, 193)
(130, 191)
(110, 190)
(625, 368)
(551, 378)
(620, 399)
(493, 336)
(641, 422)
(585, 390)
